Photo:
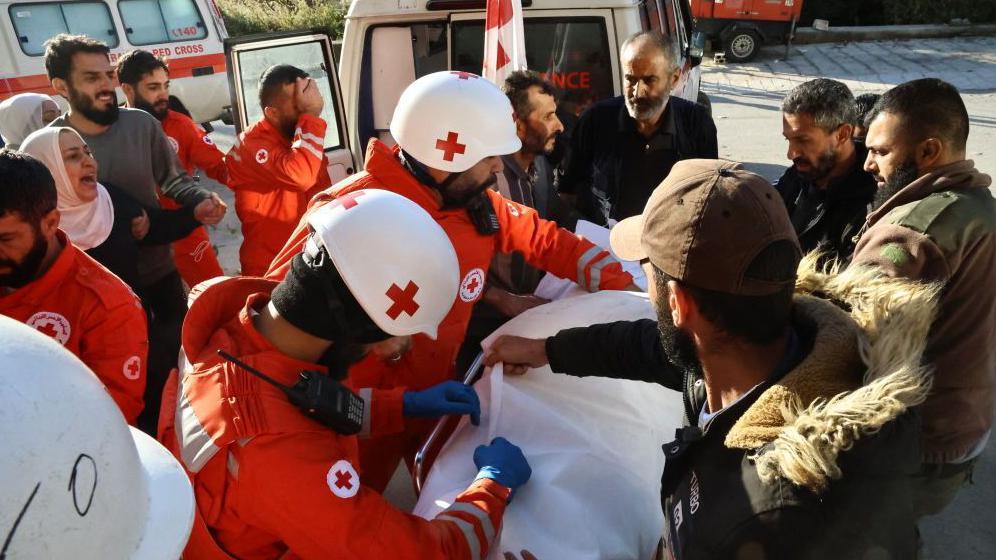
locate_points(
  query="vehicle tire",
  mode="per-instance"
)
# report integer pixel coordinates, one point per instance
(742, 45)
(704, 101)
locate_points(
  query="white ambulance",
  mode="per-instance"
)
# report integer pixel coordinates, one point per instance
(188, 33)
(387, 44)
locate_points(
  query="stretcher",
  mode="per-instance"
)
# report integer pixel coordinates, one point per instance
(594, 445)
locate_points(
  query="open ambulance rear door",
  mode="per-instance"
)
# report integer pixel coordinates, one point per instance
(311, 51)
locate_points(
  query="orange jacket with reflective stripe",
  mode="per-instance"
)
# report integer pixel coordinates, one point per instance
(272, 483)
(541, 243)
(273, 180)
(95, 316)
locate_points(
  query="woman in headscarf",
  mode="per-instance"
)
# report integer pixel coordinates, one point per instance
(102, 220)
(23, 114)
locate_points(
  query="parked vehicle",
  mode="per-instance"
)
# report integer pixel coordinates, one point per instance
(188, 33)
(740, 27)
(388, 44)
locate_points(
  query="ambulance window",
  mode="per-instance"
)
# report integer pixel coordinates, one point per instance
(395, 56)
(149, 22)
(309, 57)
(573, 54)
(36, 23)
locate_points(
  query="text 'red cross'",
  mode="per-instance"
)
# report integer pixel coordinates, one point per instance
(347, 201)
(343, 480)
(450, 146)
(133, 368)
(465, 75)
(404, 300)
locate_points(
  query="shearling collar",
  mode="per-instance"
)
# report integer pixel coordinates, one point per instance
(863, 371)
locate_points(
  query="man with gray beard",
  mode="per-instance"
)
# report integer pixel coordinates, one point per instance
(826, 191)
(623, 147)
(935, 221)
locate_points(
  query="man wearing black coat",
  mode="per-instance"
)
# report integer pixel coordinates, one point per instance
(826, 191)
(623, 147)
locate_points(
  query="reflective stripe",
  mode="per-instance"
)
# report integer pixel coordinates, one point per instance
(196, 446)
(583, 263)
(307, 146)
(596, 272)
(234, 155)
(366, 395)
(312, 137)
(233, 465)
(481, 515)
(468, 534)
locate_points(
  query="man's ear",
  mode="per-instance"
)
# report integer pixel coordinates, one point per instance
(680, 300)
(129, 92)
(61, 87)
(928, 152)
(675, 76)
(520, 126)
(271, 113)
(50, 223)
(844, 133)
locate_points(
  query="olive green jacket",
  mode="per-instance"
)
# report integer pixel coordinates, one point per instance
(942, 228)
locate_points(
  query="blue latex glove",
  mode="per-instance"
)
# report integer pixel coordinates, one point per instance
(449, 397)
(502, 462)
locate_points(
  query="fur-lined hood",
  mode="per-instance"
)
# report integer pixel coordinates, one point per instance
(863, 371)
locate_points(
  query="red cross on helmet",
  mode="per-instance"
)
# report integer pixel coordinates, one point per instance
(452, 120)
(395, 259)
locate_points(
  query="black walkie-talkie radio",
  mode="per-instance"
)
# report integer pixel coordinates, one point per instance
(318, 396)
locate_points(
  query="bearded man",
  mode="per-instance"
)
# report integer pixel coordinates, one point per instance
(935, 221)
(623, 147)
(826, 191)
(133, 154)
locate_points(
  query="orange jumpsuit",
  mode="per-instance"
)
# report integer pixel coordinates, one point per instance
(270, 482)
(273, 179)
(95, 316)
(194, 255)
(541, 243)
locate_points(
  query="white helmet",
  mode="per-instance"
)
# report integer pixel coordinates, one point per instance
(452, 120)
(78, 482)
(394, 258)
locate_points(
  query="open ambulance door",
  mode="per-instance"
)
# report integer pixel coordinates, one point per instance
(311, 51)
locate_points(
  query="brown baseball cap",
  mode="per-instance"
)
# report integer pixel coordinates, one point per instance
(705, 225)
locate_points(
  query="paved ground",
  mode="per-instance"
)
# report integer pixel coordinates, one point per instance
(746, 106)
(746, 100)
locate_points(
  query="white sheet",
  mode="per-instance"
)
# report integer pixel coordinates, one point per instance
(593, 445)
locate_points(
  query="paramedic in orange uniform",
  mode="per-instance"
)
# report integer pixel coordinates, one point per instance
(278, 164)
(144, 79)
(452, 128)
(272, 482)
(52, 286)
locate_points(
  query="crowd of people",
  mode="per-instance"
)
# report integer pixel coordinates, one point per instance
(831, 334)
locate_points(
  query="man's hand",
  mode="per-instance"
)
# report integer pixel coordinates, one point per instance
(517, 353)
(509, 304)
(140, 226)
(526, 555)
(307, 97)
(211, 210)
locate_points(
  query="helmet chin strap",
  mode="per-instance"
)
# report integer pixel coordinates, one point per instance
(421, 172)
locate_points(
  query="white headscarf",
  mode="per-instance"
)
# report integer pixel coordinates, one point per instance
(86, 223)
(20, 116)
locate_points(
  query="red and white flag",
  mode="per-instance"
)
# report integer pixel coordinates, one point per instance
(504, 40)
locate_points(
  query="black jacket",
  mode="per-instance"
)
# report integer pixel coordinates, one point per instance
(743, 485)
(829, 219)
(605, 142)
(119, 252)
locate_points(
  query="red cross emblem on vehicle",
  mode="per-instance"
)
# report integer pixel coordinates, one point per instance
(403, 300)
(465, 75)
(450, 146)
(347, 201)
